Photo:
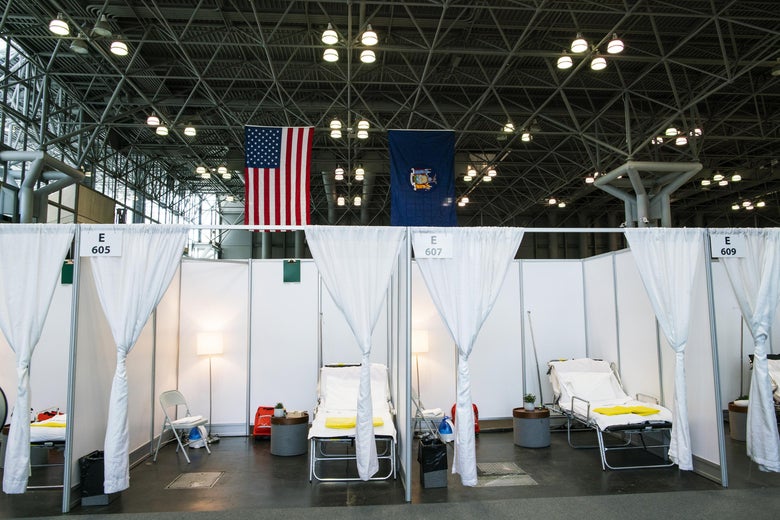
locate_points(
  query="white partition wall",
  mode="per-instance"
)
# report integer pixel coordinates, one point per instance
(553, 294)
(496, 363)
(166, 350)
(49, 363)
(600, 308)
(215, 300)
(638, 335)
(284, 337)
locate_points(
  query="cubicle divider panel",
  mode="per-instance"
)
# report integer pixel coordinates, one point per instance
(284, 323)
(600, 308)
(215, 300)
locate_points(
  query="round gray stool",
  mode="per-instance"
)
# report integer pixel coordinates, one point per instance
(289, 435)
(531, 427)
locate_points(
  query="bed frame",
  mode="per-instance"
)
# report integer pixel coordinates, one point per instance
(327, 446)
(645, 435)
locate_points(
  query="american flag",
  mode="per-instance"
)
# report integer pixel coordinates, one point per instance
(277, 175)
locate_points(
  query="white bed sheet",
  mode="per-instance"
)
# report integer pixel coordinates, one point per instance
(338, 398)
(49, 430)
(595, 382)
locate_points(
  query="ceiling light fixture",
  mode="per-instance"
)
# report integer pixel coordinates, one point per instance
(670, 132)
(362, 134)
(590, 180)
(724, 182)
(119, 48)
(330, 55)
(367, 56)
(465, 199)
(335, 134)
(79, 46)
(760, 204)
(200, 170)
(598, 62)
(696, 132)
(706, 182)
(579, 44)
(329, 36)
(492, 172)
(357, 201)
(339, 173)
(526, 136)
(681, 140)
(471, 171)
(746, 203)
(717, 177)
(615, 45)
(335, 124)
(657, 140)
(487, 178)
(461, 203)
(205, 175)
(340, 201)
(565, 61)
(509, 127)
(363, 125)
(369, 37)
(190, 131)
(153, 120)
(467, 178)
(59, 26)
(161, 130)
(101, 27)
(360, 173)
(222, 170)
(736, 177)
(561, 204)
(735, 207)
(229, 198)
(552, 201)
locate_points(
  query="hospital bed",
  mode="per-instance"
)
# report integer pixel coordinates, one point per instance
(589, 392)
(332, 432)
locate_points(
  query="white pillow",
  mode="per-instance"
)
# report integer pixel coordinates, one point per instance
(591, 386)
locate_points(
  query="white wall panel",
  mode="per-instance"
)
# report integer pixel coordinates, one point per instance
(215, 298)
(637, 335)
(600, 308)
(284, 337)
(49, 364)
(496, 361)
(553, 293)
(166, 347)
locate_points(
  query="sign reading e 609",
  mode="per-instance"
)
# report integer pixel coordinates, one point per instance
(727, 246)
(101, 243)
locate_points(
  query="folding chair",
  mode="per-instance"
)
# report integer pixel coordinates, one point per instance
(171, 400)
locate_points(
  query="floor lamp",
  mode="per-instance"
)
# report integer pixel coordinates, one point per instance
(210, 344)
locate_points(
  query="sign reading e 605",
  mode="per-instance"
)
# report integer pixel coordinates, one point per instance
(101, 243)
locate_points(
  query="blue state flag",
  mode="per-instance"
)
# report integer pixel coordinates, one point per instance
(422, 178)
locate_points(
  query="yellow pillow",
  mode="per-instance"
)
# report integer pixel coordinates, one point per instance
(613, 410)
(348, 422)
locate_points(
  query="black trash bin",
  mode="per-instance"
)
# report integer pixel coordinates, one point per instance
(91, 466)
(432, 456)
(92, 476)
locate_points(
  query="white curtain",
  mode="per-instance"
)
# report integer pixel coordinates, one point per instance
(755, 279)
(129, 287)
(667, 259)
(464, 289)
(356, 264)
(31, 257)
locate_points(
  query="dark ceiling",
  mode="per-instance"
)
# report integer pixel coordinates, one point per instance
(469, 66)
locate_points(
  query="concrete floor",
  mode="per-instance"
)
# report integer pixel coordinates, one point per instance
(254, 479)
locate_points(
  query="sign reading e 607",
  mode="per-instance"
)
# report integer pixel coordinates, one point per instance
(100, 243)
(432, 245)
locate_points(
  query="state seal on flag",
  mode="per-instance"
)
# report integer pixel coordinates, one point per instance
(422, 179)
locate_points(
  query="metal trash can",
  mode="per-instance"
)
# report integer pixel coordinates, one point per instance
(290, 435)
(531, 427)
(432, 456)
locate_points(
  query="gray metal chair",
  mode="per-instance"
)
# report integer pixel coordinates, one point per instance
(170, 402)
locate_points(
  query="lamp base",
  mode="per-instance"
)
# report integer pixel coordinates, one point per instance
(212, 438)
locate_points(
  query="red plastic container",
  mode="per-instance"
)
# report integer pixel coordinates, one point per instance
(262, 426)
(476, 417)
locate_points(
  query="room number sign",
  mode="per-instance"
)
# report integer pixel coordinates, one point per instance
(101, 243)
(432, 245)
(727, 246)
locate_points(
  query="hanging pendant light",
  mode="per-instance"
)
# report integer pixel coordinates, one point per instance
(363, 125)
(200, 170)
(329, 36)
(102, 28)
(579, 44)
(357, 201)
(339, 173)
(598, 63)
(79, 46)
(492, 172)
(330, 55)
(369, 36)
(161, 130)
(190, 131)
(340, 201)
(59, 26)
(335, 124)
(367, 56)
(119, 48)
(335, 134)
(565, 61)
(360, 173)
(509, 127)
(362, 134)
(615, 45)
(153, 120)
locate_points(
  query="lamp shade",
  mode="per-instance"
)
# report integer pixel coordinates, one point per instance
(119, 48)
(209, 343)
(579, 44)
(59, 26)
(369, 37)
(419, 341)
(565, 62)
